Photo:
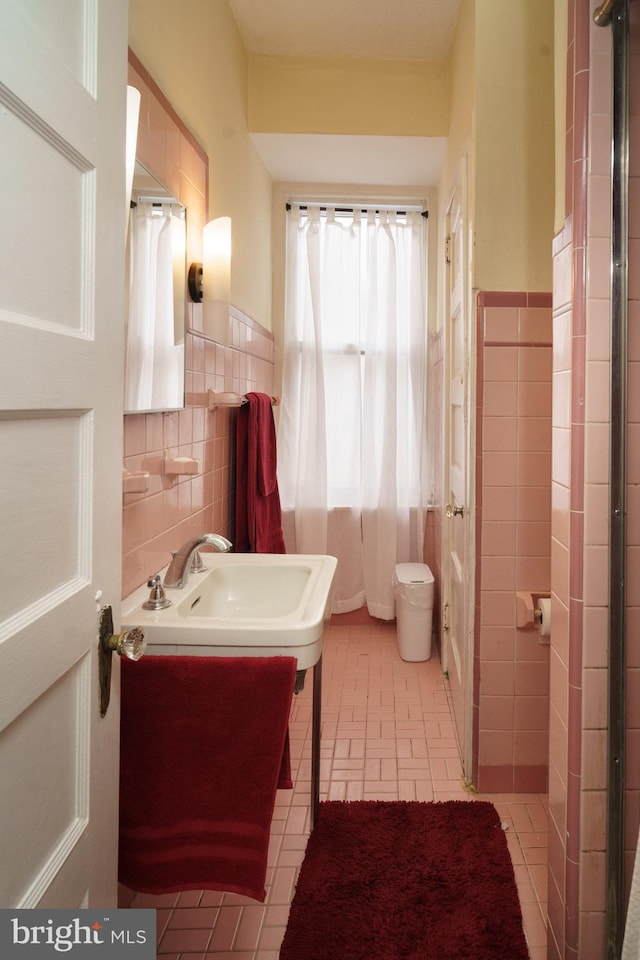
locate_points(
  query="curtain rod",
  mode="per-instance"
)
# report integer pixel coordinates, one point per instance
(401, 213)
(157, 203)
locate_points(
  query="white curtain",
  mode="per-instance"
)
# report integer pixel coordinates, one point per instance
(154, 360)
(352, 473)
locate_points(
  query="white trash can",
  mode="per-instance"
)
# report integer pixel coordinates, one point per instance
(413, 591)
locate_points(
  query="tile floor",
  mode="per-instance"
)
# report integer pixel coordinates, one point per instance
(387, 734)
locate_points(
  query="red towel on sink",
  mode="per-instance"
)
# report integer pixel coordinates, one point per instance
(258, 514)
(203, 740)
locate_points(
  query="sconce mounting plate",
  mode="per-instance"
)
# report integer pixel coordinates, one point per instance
(194, 282)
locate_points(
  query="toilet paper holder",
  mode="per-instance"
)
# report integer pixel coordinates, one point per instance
(528, 612)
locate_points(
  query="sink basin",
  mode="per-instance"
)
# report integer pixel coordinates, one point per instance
(243, 604)
(248, 590)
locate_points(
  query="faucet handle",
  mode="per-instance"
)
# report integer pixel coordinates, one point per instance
(157, 599)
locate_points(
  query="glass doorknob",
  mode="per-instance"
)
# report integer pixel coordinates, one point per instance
(454, 511)
(131, 643)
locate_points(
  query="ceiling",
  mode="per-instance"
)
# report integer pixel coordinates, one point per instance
(347, 28)
(396, 29)
(322, 158)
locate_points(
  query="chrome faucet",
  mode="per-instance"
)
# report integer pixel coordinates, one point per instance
(178, 573)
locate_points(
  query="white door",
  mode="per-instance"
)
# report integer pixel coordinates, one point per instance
(458, 559)
(62, 123)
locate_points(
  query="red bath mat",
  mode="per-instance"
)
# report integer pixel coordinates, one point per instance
(406, 881)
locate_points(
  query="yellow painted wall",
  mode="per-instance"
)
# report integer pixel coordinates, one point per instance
(348, 96)
(502, 118)
(494, 101)
(194, 52)
(514, 145)
(462, 85)
(560, 87)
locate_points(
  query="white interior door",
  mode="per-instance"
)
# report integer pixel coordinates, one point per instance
(458, 559)
(62, 123)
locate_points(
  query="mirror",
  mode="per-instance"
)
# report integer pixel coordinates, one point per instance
(157, 298)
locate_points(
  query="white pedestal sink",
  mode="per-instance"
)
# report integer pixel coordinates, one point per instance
(251, 605)
(243, 604)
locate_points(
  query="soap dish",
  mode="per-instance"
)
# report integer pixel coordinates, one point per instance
(135, 481)
(177, 466)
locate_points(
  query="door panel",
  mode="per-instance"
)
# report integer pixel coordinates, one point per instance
(62, 121)
(458, 560)
(45, 825)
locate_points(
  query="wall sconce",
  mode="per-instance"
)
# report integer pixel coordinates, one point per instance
(209, 282)
(131, 141)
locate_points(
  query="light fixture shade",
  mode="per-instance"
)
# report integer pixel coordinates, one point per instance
(216, 279)
(131, 143)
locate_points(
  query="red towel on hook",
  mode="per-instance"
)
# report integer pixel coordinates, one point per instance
(258, 514)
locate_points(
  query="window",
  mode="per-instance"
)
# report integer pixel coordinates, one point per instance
(352, 431)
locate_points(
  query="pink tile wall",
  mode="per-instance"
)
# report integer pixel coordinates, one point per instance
(578, 765)
(565, 700)
(513, 530)
(585, 878)
(176, 508)
(565, 749)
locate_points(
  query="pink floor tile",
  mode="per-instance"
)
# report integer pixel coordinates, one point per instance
(388, 733)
